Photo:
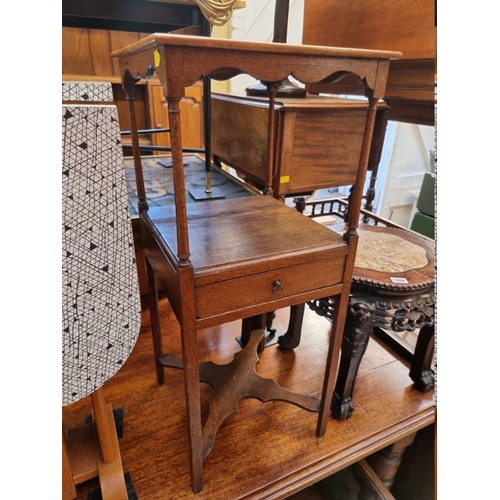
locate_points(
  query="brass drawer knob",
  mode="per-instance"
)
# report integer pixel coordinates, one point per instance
(277, 286)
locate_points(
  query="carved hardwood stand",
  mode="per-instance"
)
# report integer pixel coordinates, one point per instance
(392, 290)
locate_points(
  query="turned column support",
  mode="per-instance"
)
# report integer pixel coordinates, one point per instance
(129, 87)
(386, 462)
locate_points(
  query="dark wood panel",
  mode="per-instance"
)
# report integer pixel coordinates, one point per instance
(400, 25)
(130, 15)
(408, 27)
(118, 40)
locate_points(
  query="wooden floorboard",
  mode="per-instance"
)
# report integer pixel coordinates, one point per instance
(265, 450)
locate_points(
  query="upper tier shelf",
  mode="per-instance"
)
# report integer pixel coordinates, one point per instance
(223, 59)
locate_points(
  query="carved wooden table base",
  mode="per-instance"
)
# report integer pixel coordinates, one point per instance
(392, 289)
(366, 312)
(237, 380)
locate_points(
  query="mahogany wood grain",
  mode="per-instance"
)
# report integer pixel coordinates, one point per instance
(225, 380)
(215, 260)
(318, 140)
(408, 27)
(155, 319)
(275, 440)
(236, 258)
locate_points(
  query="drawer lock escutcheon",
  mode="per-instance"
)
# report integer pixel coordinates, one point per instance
(277, 286)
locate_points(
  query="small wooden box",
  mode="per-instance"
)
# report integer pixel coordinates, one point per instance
(318, 140)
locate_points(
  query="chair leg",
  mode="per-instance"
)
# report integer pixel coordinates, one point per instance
(155, 322)
(420, 370)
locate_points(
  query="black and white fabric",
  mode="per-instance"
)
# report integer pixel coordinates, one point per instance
(101, 301)
(87, 91)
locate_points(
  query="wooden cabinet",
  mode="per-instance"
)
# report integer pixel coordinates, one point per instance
(318, 140)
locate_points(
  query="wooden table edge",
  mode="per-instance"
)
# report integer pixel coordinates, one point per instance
(331, 464)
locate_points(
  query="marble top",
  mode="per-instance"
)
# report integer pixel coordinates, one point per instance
(388, 253)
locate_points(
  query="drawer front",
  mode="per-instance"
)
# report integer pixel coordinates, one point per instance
(239, 293)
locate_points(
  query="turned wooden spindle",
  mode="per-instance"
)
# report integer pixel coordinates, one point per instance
(129, 87)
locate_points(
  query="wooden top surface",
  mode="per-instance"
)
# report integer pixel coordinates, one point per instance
(393, 258)
(182, 60)
(281, 233)
(157, 40)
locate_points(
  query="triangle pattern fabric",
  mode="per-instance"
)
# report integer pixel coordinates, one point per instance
(87, 91)
(100, 290)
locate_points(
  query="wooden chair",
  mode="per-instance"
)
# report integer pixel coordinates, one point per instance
(100, 293)
(223, 260)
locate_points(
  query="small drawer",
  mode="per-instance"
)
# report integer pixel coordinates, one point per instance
(239, 293)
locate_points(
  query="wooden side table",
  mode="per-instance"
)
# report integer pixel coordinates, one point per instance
(392, 289)
(240, 258)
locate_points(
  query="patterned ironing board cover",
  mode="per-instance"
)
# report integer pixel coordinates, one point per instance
(100, 291)
(87, 91)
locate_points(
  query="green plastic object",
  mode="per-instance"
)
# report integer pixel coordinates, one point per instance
(425, 202)
(423, 224)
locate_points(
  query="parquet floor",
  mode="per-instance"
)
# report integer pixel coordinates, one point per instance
(264, 450)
